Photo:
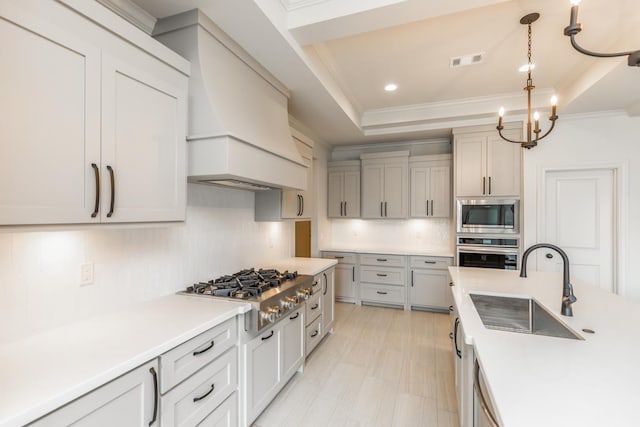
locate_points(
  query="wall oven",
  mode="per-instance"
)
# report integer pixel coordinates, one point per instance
(488, 216)
(488, 252)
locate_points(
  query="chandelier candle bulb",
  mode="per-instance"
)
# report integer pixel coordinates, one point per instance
(500, 115)
(536, 119)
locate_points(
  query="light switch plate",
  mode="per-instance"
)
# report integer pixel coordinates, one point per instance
(86, 273)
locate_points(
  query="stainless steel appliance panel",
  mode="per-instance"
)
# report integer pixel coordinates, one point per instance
(488, 216)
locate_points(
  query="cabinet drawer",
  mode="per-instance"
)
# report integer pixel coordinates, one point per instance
(383, 275)
(430, 262)
(225, 415)
(382, 260)
(341, 257)
(313, 335)
(314, 307)
(182, 361)
(382, 294)
(316, 285)
(193, 400)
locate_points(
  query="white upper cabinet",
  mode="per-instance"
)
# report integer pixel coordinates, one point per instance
(486, 165)
(50, 133)
(143, 144)
(430, 179)
(78, 99)
(344, 189)
(384, 185)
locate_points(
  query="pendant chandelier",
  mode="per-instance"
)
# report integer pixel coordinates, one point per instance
(575, 27)
(533, 135)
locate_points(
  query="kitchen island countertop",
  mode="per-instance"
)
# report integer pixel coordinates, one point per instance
(311, 266)
(45, 371)
(547, 381)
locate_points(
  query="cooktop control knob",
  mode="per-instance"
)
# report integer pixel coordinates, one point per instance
(276, 310)
(289, 303)
(268, 316)
(304, 293)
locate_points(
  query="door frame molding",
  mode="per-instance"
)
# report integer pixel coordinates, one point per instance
(621, 208)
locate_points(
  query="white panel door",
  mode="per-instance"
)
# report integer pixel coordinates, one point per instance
(395, 191)
(372, 191)
(351, 195)
(335, 195)
(50, 114)
(420, 192)
(503, 166)
(345, 277)
(143, 144)
(471, 154)
(440, 191)
(292, 330)
(578, 216)
(429, 288)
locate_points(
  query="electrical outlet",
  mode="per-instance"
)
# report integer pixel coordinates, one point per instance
(86, 273)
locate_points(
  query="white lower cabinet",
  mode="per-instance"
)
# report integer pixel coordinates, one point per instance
(328, 300)
(463, 360)
(429, 282)
(344, 275)
(198, 376)
(270, 360)
(383, 279)
(128, 401)
(225, 415)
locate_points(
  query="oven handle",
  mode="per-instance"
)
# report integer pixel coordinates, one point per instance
(487, 250)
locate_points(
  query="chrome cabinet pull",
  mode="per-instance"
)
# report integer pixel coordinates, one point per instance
(96, 208)
(113, 190)
(204, 350)
(195, 399)
(155, 395)
(455, 337)
(482, 399)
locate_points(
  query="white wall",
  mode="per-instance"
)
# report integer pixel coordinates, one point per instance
(39, 270)
(401, 235)
(592, 141)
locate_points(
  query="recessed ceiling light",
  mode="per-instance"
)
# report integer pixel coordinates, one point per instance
(391, 87)
(525, 68)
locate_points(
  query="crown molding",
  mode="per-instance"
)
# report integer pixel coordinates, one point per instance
(132, 13)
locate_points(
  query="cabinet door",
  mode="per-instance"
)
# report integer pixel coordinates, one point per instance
(351, 194)
(420, 192)
(335, 196)
(291, 204)
(503, 167)
(471, 155)
(127, 401)
(292, 343)
(345, 289)
(143, 142)
(372, 190)
(50, 132)
(263, 371)
(440, 191)
(395, 191)
(328, 301)
(429, 288)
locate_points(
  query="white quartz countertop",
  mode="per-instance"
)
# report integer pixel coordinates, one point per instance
(547, 381)
(311, 266)
(417, 252)
(43, 372)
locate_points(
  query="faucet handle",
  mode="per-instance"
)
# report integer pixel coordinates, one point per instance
(570, 299)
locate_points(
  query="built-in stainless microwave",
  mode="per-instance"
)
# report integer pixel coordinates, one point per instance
(488, 216)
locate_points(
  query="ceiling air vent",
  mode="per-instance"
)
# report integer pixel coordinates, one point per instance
(474, 58)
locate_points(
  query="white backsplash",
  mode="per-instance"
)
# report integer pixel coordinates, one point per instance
(411, 235)
(40, 270)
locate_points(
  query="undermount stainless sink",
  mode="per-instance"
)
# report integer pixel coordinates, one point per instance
(522, 315)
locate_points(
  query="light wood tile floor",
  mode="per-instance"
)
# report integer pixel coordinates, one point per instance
(380, 367)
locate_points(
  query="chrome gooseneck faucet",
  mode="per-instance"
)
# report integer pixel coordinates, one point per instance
(567, 289)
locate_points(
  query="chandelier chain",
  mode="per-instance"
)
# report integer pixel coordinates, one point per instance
(529, 81)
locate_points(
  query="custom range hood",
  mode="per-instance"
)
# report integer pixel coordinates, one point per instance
(239, 132)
